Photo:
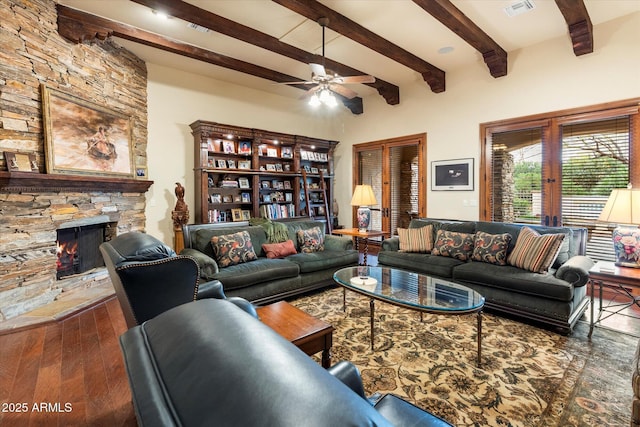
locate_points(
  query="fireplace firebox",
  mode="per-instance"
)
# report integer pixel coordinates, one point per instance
(78, 249)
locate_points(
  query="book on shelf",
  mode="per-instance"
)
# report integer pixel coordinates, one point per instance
(229, 184)
(276, 211)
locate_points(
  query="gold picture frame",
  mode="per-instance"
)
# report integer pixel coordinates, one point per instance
(20, 162)
(236, 214)
(81, 137)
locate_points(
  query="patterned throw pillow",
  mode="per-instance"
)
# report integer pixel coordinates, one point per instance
(279, 250)
(232, 249)
(311, 240)
(491, 248)
(535, 252)
(416, 239)
(453, 244)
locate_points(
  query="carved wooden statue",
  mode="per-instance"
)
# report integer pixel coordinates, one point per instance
(180, 216)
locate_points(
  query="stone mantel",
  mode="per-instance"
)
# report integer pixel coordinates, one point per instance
(16, 182)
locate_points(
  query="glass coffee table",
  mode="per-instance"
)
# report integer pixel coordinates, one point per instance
(420, 292)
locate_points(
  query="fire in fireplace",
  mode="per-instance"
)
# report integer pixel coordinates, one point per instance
(78, 249)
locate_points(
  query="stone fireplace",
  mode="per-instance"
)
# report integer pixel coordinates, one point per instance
(35, 208)
(35, 205)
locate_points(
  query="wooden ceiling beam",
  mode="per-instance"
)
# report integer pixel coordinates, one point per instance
(579, 23)
(206, 19)
(80, 27)
(451, 17)
(314, 10)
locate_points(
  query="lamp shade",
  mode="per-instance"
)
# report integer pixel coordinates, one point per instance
(623, 207)
(363, 196)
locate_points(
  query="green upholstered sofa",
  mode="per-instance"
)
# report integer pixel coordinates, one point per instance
(557, 298)
(266, 280)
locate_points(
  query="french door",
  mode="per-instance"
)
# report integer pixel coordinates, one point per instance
(560, 170)
(395, 170)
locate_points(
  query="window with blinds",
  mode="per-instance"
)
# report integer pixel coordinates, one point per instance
(595, 160)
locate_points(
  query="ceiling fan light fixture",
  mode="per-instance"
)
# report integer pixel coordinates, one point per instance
(314, 101)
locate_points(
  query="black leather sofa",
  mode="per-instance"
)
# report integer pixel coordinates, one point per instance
(208, 363)
(557, 298)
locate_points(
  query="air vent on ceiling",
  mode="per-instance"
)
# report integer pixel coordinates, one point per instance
(519, 7)
(198, 27)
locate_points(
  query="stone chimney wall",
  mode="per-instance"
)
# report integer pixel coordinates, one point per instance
(33, 53)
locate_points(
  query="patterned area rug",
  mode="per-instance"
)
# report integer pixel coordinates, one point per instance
(529, 376)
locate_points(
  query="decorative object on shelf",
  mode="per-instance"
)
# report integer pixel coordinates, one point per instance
(179, 216)
(236, 214)
(20, 162)
(363, 197)
(244, 147)
(452, 175)
(243, 182)
(85, 138)
(623, 209)
(244, 164)
(286, 153)
(228, 147)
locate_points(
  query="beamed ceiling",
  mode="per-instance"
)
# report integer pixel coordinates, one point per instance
(257, 43)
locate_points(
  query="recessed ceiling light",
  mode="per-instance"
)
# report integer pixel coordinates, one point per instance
(445, 50)
(160, 14)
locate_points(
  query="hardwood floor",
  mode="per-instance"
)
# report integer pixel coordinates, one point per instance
(71, 372)
(67, 373)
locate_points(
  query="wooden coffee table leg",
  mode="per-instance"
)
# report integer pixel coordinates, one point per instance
(344, 299)
(479, 338)
(372, 310)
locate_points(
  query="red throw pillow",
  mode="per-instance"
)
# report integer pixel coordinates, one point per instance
(279, 250)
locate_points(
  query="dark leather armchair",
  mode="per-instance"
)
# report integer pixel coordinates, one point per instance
(149, 278)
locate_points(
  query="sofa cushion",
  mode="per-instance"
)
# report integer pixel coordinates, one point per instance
(514, 279)
(416, 239)
(317, 261)
(570, 244)
(260, 271)
(279, 250)
(535, 252)
(231, 249)
(420, 263)
(311, 240)
(491, 248)
(202, 234)
(453, 244)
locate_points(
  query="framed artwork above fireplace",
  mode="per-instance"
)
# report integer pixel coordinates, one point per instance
(82, 137)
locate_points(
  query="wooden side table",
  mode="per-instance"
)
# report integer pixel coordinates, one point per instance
(618, 279)
(309, 334)
(357, 234)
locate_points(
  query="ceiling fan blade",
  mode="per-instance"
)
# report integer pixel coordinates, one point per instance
(295, 83)
(355, 79)
(318, 70)
(344, 91)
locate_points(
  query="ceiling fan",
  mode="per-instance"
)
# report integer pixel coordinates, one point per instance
(326, 81)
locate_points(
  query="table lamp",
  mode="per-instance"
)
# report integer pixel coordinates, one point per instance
(623, 209)
(363, 197)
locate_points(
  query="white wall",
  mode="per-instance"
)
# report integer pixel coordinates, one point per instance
(175, 100)
(542, 78)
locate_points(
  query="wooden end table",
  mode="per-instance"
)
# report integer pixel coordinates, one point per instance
(309, 334)
(618, 279)
(366, 235)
